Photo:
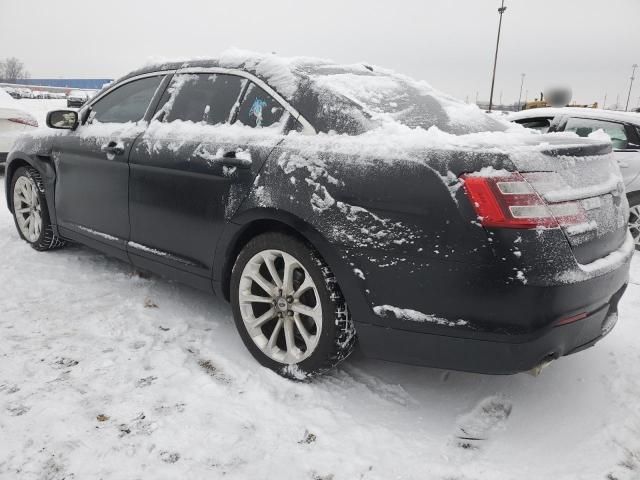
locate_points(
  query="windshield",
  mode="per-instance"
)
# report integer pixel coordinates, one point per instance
(371, 98)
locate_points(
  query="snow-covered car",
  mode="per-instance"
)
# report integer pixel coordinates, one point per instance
(622, 128)
(13, 92)
(332, 202)
(77, 98)
(13, 121)
(41, 94)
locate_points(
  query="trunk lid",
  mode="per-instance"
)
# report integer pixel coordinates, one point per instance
(583, 171)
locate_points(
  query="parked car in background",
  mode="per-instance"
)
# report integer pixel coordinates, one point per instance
(77, 98)
(41, 94)
(25, 92)
(14, 92)
(624, 130)
(316, 198)
(13, 121)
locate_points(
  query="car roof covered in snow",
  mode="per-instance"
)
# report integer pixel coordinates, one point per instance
(346, 98)
(594, 113)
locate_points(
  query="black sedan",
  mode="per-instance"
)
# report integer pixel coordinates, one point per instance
(333, 203)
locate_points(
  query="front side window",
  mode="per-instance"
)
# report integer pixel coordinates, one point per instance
(585, 126)
(259, 109)
(127, 103)
(206, 98)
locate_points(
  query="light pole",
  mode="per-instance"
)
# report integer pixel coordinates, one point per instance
(604, 104)
(520, 94)
(633, 77)
(501, 10)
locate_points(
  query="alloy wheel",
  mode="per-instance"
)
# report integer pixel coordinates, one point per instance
(280, 306)
(27, 208)
(634, 224)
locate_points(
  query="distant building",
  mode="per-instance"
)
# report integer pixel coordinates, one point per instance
(71, 83)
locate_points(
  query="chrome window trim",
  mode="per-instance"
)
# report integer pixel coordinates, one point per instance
(307, 128)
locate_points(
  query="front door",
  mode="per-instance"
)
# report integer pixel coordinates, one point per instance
(194, 165)
(91, 194)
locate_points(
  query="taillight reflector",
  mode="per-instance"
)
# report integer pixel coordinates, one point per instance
(571, 319)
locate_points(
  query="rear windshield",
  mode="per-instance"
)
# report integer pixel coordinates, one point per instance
(359, 99)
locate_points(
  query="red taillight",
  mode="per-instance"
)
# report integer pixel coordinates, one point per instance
(24, 121)
(509, 201)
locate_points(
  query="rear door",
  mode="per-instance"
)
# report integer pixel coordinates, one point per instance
(195, 164)
(92, 179)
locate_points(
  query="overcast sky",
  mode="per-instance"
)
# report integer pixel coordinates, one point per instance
(588, 45)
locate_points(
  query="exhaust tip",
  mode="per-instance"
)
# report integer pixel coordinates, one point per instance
(546, 361)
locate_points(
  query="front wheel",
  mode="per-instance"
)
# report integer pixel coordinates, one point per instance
(288, 308)
(634, 218)
(30, 211)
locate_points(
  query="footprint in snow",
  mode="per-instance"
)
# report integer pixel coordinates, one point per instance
(64, 362)
(169, 457)
(146, 381)
(214, 371)
(308, 439)
(488, 416)
(168, 409)
(17, 410)
(9, 389)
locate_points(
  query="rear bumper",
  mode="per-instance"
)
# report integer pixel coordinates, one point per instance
(465, 317)
(3, 157)
(507, 355)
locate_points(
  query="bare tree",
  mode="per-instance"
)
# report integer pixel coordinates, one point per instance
(12, 70)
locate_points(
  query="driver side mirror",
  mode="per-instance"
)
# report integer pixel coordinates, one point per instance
(62, 119)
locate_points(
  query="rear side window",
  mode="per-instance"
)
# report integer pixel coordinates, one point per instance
(207, 98)
(259, 109)
(541, 124)
(585, 126)
(127, 103)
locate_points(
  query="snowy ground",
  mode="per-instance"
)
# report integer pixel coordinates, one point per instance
(104, 374)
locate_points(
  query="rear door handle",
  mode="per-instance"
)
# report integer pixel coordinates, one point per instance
(233, 158)
(113, 148)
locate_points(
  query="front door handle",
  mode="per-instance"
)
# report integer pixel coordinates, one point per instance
(113, 148)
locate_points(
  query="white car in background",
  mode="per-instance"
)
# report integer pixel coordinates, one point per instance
(622, 127)
(77, 98)
(13, 122)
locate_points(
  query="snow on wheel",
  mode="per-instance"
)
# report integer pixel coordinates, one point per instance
(288, 308)
(30, 210)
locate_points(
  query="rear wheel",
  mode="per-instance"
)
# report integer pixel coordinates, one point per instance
(634, 218)
(30, 211)
(288, 308)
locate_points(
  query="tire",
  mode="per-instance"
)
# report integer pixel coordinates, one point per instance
(26, 182)
(329, 334)
(634, 217)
